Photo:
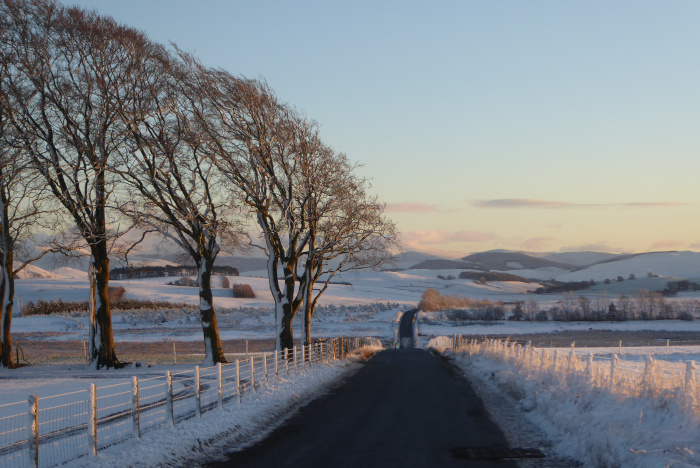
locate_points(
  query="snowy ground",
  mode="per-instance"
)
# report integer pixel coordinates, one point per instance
(198, 441)
(572, 421)
(366, 307)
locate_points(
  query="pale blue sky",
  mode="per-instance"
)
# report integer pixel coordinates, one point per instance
(594, 105)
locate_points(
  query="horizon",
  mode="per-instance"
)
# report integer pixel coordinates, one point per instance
(541, 127)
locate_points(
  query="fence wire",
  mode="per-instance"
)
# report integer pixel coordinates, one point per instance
(128, 409)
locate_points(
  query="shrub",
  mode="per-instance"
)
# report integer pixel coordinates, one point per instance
(115, 293)
(185, 281)
(491, 276)
(225, 283)
(542, 316)
(687, 316)
(433, 300)
(243, 291)
(43, 307)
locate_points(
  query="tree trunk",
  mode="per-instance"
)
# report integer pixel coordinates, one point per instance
(104, 353)
(214, 352)
(308, 310)
(286, 332)
(8, 294)
(7, 282)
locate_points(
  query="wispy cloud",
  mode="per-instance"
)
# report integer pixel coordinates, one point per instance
(537, 243)
(515, 203)
(666, 244)
(594, 247)
(410, 208)
(444, 237)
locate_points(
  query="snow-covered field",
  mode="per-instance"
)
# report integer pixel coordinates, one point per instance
(366, 306)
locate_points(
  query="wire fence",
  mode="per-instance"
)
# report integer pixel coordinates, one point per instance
(49, 431)
(575, 370)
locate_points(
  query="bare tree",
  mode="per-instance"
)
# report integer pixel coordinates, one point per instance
(346, 228)
(22, 203)
(172, 187)
(309, 206)
(70, 70)
(251, 140)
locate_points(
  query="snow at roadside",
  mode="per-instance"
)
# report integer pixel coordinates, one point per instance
(596, 427)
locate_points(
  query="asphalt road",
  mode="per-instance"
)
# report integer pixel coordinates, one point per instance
(403, 408)
(406, 328)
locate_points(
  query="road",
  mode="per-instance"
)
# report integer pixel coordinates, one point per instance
(406, 328)
(403, 408)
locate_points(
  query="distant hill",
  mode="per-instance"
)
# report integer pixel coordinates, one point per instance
(581, 258)
(504, 261)
(442, 264)
(406, 260)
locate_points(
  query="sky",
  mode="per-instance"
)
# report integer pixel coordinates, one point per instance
(535, 126)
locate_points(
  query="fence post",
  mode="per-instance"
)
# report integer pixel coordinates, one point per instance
(543, 360)
(555, 361)
(33, 429)
(648, 380)
(286, 359)
(221, 385)
(277, 365)
(252, 371)
(613, 366)
(296, 366)
(690, 384)
(197, 393)
(238, 380)
(571, 361)
(92, 419)
(170, 414)
(135, 410)
(589, 365)
(267, 379)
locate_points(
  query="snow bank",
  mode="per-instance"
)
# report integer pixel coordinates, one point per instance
(589, 422)
(197, 441)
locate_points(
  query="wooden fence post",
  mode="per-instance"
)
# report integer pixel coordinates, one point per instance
(169, 411)
(277, 365)
(135, 407)
(197, 392)
(690, 384)
(543, 360)
(92, 419)
(571, 361)
(238, 380)
(589, 366)
(220, 381)
(613, 366)
(296, 366)
(33, 429)
(252, 371)
(267, 379)
(286, 359)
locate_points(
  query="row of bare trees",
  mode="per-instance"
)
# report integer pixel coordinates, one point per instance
(121, 131)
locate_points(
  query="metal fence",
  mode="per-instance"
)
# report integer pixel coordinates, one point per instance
(49, 431)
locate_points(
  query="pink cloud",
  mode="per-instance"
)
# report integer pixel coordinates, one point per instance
(444, 237)
(594, 247)
(410, 208)
(666, 244)
(514, 203)
(537, 243)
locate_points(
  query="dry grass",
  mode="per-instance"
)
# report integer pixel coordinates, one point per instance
(366, 352)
